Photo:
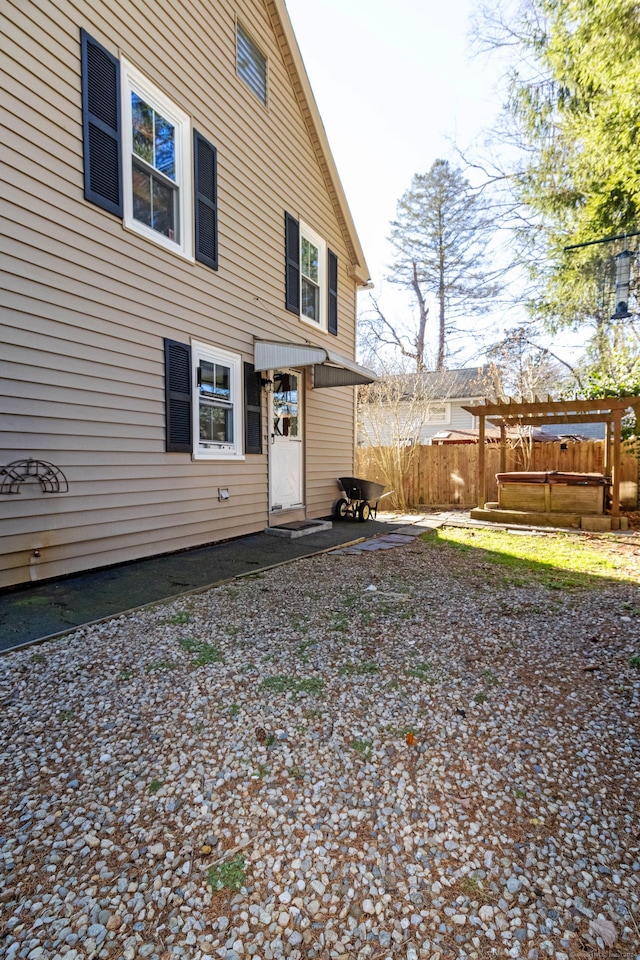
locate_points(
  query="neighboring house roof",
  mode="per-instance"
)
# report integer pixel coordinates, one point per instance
(455, 384)
(492, 433)
(556, 431)
(467, 383)
(464, 436)
(300, 82)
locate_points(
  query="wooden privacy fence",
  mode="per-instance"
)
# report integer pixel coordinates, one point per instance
(447, 475)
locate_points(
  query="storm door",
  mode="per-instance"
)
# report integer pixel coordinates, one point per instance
(285, 421)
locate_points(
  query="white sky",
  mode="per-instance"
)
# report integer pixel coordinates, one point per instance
(395, 85)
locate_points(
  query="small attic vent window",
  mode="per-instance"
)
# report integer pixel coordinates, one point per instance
(251, 63)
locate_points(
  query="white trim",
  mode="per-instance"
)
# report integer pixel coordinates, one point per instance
(134, 81)
(234, 450)
(318, 242)
(269, 355)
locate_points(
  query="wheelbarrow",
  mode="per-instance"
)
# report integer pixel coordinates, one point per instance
(360, 500)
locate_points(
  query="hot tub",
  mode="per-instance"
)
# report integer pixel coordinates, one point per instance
(553, 492)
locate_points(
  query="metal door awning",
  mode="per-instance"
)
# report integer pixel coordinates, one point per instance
(329, 369)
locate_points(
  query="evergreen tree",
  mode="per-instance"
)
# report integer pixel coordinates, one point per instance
(574, 110)
(440, 237)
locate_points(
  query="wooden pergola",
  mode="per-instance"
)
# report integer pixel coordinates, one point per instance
(510, 413)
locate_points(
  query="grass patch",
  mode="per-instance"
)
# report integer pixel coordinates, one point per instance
(38, 658)
(125, 674)
(261, 771)
(154, 786)
(340, 622)
(296, 772)
(481, 698)
(229, 875)
(303, 647)
(204, 652)
(367, 667)
(634, 661)
(490, 678)
(162, 665)
(283, 683)
(405, 732)
(313, 714)
(470, 883)
(179, 619)
(570, 562)
(363, 747)
(234, 709)
(422, 671)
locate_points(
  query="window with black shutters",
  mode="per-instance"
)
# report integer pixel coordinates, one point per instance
(157, 176)
(311, 276)
(206, 201)
(139, 163)
(101, 125)
(252, 410)
(178, 396)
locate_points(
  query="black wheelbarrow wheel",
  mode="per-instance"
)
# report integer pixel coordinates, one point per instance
(364, 512)
(341, 509)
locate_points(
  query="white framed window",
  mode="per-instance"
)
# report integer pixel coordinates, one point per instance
(217, 407)
(156, 164)
(251, 63)
(313, 273)
(438, 413)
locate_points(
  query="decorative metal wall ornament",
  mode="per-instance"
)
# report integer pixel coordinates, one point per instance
(50, 477)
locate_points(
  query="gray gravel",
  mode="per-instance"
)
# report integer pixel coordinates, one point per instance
(445, 766)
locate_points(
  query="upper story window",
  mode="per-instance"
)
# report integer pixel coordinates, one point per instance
(311, 276)
(312, 270)
(251, 63)
(157, 164)
(139, 163)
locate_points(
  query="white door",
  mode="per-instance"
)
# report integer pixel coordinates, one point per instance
(285, 460)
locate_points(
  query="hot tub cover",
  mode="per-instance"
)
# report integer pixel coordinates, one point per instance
(554, 476)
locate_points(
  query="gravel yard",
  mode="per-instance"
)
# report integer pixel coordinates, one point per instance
(298, 765)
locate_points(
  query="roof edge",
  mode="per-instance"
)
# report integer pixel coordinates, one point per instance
(294, 63)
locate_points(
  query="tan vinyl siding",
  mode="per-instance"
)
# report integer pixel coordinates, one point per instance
(86, 303)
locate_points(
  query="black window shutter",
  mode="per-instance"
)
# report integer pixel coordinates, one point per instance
(252, 410)
(292, 259)
(206, 200)
(177, 373)
(101, 126)
(332, 298)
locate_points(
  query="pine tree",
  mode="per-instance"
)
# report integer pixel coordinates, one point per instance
(440, 236)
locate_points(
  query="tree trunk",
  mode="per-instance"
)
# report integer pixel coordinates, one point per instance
(422, 323)
(441, 317)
